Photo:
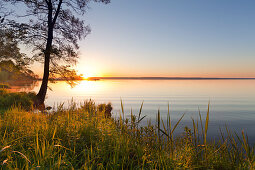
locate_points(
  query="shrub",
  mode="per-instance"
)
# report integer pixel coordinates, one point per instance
(22, 99)
(106, 109)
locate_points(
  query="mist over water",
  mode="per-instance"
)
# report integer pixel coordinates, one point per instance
(232, 102)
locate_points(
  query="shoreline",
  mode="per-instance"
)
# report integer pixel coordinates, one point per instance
(152, 78)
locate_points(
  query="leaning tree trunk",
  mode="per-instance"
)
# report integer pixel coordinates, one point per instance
(40, 97)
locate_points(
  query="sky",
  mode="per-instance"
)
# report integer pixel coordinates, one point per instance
(186, 38)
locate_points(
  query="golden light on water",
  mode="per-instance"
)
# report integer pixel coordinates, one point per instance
(84, 88)
(89, 87)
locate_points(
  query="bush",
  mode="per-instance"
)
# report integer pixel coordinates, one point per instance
(22, 99)
(106, 109)
(4, 86)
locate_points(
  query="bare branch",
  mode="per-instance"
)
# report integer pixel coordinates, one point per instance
(57, 12)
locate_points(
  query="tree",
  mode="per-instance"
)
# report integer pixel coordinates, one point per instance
(3, 13)
(12, 62)
(13, 73)
(54, 29)
(9, 49)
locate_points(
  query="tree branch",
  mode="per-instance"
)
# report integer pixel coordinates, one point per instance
(47, 2)
(57, 12)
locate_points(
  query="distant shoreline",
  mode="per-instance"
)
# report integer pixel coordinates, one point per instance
(168, 78)
(153, 78)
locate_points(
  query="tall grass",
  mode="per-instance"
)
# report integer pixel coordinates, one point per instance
(85, 137)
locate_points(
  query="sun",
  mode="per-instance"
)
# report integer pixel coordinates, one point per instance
(85, 77)
(88, 72)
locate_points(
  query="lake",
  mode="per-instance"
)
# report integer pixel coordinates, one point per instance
(232, 102)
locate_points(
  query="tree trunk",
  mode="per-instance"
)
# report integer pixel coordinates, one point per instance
(40, 97)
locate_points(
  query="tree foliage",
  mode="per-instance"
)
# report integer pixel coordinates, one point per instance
(14, 65)
(63, 17)
(9, 72)
(9, 49)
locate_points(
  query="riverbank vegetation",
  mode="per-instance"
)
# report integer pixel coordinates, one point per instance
(85, 136)
(8, 100)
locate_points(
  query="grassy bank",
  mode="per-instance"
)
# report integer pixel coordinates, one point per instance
(7, 100)
(85, 137)
(4, 86)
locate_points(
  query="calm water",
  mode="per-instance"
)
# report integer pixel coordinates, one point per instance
(232, 102)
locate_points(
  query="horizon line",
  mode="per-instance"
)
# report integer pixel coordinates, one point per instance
(173, 78)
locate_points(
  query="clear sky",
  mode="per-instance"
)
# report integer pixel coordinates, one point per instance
(208, 38)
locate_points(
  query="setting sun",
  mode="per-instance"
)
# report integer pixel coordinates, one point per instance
(89, 71)
(85, 77)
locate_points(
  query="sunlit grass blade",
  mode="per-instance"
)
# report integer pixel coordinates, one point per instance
(4, 148)
(24, 156)
(158, 120)
(122, 109)
(201, 123)
(168, 118)
(206, 123)
(141, 119)
(175, 126)
(163, 124)
(248, 150)
(140, 111)
(195, 135)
